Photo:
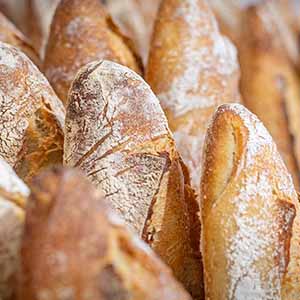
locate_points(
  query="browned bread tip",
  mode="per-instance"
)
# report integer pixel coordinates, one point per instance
(81, 32)
(250, 211)
(31, 115)
(74, 247)
(116, 132)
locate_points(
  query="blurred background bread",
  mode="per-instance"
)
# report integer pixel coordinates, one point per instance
(82, 32)
(13, 198)
(69, 229)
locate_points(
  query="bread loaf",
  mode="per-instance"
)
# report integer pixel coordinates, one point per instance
(248, 204)
(117, 134)
(82, 32)
(74, 247)
(270, 86)
(31, 115)
(11, 35)
(13, 195)
(192, 69)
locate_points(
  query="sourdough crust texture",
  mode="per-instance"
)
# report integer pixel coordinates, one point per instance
(116, 132)
(82, 32)
(249, 210)
(13, 197)
(192, 69)
(31, 115)
(74, 247)
(270, 85)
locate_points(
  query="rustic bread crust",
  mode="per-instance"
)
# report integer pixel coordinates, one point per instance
(82, 32)
(192, 69)
(31, 115)
(13, 196)
(248, 207)
(74, 247)
(270, 86)
(116, 132)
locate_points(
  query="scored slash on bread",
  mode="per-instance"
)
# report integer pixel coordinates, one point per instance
(11, 35)
(192, 69)
(82, 32)
(117, 133)
(31, 115)
(249, 210)
(270, 85)
(74, 247)
(13, 197)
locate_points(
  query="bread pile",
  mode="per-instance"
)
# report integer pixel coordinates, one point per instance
(172, 175)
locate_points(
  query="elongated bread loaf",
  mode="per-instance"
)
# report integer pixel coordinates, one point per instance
(270, 86)
(11, 35)
(192, 69)
(82, 32)
(74, 247)
(116, 132)
(31, 115)
(248, 207)
(13, 195)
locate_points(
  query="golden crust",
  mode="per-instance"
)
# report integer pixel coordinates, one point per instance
(13, 197)
(270, 86)
(248, 207)
(82, 32)
(11, 35)
(31, 115)
(192, 69)
(75, 246)
(117, 134)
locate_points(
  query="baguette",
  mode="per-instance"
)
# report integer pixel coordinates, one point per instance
(118, 135)
(192, 69)
(31, 116)
(82, 32)
(11, 35)
(269, 84)
(248, 206)
(13, 196)
(74, 247)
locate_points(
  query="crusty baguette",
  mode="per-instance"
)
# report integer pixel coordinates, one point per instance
(116, 132)
(31, 115)
(13, 196)
(82, 32)
(248, 205)
(269, 84)
(75, 248)
(11, 35)
(136, 18)
(192, 69)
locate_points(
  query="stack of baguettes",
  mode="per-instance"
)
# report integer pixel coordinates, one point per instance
(124, 178)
